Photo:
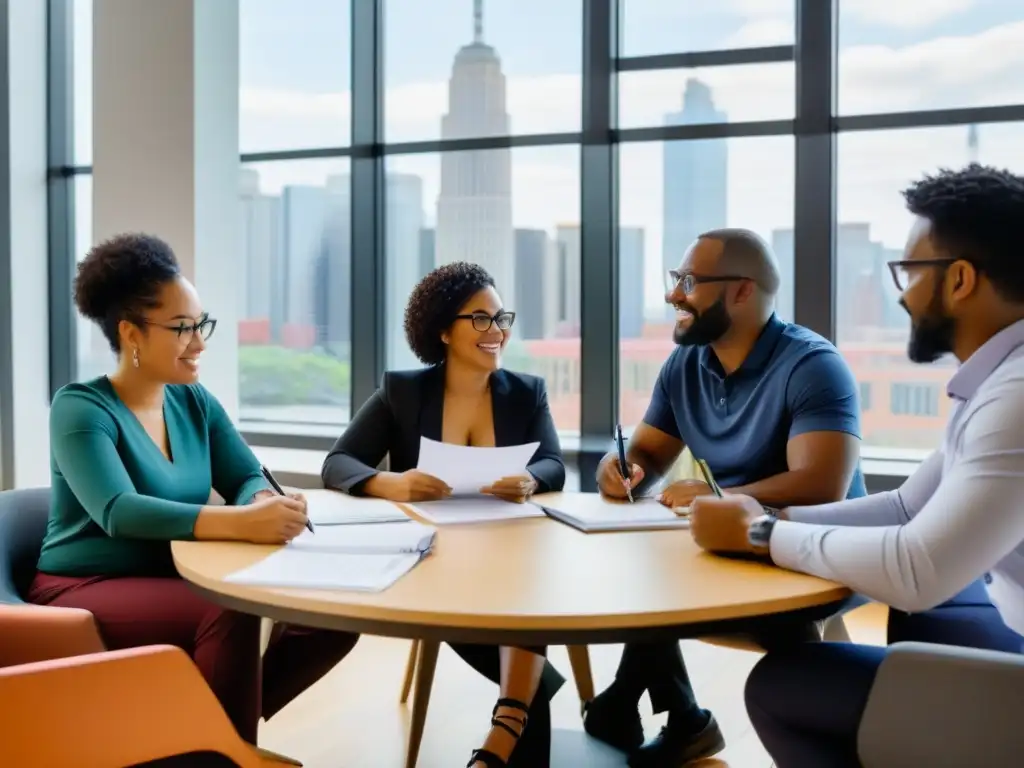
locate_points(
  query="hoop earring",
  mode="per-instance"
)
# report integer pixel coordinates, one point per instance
(135, 357)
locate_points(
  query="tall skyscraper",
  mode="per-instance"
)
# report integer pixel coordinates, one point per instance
(261, 248)
(403, 217)
(474, 206)
(631, 282)
(695, 176)
(536, 283)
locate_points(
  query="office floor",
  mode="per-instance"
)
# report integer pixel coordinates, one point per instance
(352, 718)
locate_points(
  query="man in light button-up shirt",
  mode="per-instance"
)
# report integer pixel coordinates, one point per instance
(959, 517)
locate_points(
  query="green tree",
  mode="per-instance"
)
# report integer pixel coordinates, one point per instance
(279, 376)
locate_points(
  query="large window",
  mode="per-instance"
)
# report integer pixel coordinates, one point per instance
(294, 309)
(488, 131)
(872, 329)
(670, 192)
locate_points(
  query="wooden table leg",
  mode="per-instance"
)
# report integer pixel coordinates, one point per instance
(426, 663)
(579, 658)
(410, 668)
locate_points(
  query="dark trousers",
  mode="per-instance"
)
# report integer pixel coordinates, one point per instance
(806, 702)
(659, 669)
(224, 644)
(533, 749)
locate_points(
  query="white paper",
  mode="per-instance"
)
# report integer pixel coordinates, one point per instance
(474, 509)
(596, 513)
(298, 569)
(342, 509)
(466, 469)
(371, 538)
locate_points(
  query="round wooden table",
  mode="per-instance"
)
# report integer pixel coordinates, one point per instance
(535, 582)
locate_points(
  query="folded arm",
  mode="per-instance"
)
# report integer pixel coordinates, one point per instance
(82, 438)
(970, 523)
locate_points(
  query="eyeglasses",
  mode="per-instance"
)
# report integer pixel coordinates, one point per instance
(689, 281)
(482, 322)
(205, 328)
(900, 270)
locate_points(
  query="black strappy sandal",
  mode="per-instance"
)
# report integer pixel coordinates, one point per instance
(487, 757)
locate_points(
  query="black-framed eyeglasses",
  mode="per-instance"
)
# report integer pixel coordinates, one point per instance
(900, 270)
(688, 281)
(205, 328)
(482, 321)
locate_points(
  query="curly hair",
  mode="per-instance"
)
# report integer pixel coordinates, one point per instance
(434, 303)
(120, 278)
(977, 214)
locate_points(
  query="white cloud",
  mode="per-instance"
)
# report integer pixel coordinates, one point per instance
(904, 14)
(761, 32)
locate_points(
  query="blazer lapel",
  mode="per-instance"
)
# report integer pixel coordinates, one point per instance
(432, 413)
(505, 432)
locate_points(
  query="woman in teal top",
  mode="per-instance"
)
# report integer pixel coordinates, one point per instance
(134, 457)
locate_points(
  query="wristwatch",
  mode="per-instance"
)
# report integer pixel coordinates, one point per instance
(759, 533)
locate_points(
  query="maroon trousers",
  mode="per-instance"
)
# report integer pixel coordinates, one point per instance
(224, 644)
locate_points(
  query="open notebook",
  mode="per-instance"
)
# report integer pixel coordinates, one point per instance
(592, 513)
(362, 558)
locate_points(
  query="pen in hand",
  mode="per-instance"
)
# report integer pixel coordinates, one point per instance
(277, 487)
(623, 466)
(708, 478)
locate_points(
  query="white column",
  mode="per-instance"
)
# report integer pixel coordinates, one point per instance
(25, 388)
(165, 148)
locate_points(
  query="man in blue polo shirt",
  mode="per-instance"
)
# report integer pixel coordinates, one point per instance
(773, 409)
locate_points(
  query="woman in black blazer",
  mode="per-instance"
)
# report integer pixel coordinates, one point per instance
(456, 324)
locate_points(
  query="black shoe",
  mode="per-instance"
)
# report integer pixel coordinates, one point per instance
(673, 748)
(614, 719)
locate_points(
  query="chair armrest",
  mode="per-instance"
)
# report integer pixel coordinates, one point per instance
(112, 709)
(31, 633)
(940, 705)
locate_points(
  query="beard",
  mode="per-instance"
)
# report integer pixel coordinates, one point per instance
(931, 336)
(705, 328)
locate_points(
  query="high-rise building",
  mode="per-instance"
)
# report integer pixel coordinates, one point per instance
(536, 281)
(474, 206)
(261, 248)
(403, 217)
(695, 175)
(428, 250)
(631, 282)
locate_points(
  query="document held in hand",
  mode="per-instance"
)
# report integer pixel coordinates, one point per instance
(466, 469)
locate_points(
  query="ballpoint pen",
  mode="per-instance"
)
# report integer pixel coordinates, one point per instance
(706, 471)
(623, 466)
(277, 487)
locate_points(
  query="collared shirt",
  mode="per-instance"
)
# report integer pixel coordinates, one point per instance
(792, 382)
(958, 517)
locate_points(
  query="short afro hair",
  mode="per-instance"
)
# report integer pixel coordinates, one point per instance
(434, 303)
(120, 278)
(977, 214)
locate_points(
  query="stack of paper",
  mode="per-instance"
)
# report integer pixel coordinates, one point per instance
(342, 509)
(592, 513)
(365, 558)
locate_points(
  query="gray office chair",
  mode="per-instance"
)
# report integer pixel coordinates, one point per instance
(944, 707)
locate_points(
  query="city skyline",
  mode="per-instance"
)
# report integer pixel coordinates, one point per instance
(481, 204)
